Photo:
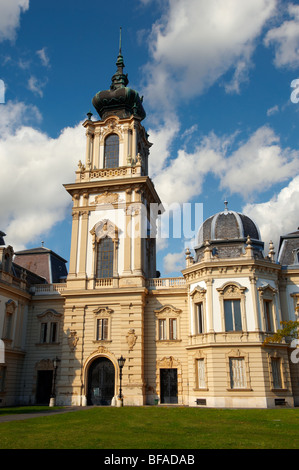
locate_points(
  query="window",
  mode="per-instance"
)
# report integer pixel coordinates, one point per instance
(8, 322)
(200, 373)
(199, 318)
(8, 326)
(2, 378)
(268, 315)
(232, 315)
(237, 372)
(162, 329)
(167, 323)
(53, 332)
(43, 332)
(276, 372)
(172, 328)
(102, 329)
(105, 258)
(111, 152)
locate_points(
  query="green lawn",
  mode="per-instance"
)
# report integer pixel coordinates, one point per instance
(155, 428)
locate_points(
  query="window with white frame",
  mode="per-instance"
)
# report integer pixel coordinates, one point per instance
(102, 323)
(268, 315)
(162, 329)
(276, 372)
(102, 329)
(172, 328)
(199, 318)
(200, 373)
(49, 327)
(198, 299)
(232, 315)
(49, 332)
(237, 372)
(167, 321)
(232, 303)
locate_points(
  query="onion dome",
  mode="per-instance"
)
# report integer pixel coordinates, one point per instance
(119, 99)
(227, 233)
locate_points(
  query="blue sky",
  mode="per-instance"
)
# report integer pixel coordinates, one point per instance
(216, 79)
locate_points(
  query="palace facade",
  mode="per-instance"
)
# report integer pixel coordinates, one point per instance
(196, 340)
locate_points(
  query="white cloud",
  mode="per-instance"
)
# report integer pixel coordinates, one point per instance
(278, 216)
(36, 86)
(174, 262)
(285, 39)
(42, 54)
(185, 174)
(272, 110)
(258, 164)
(15, 114)
(10, 12)
(195, 42)
(33, 169)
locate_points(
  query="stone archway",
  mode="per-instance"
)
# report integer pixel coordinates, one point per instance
(100, 382)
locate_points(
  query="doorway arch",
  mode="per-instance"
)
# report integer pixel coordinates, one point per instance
(100, 382)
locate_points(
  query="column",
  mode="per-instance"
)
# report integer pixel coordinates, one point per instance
(128, 234)
(255, 302)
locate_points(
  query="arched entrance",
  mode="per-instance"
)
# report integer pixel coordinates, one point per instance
(101, 382)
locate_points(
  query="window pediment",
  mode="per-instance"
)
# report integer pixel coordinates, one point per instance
(231, 290)
(167, 311)
(102, 312)
(198, 294)
(104, 228)
(49, 315)
(267, 291)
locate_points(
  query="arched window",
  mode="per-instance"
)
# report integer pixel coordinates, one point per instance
(105, 258)
(111, 152)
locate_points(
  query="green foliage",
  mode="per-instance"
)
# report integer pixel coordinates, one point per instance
(288, 332)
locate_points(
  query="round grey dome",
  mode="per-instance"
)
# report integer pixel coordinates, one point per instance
(227, 233)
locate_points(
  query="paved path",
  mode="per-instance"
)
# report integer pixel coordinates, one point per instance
(38, 414)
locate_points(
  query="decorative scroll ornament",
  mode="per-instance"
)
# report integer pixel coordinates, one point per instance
(106, 198)
(73, 339)
(131, 338)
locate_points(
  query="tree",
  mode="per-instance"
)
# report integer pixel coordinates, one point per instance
(288, 332)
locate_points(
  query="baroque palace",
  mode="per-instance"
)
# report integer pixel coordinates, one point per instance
(196, 340)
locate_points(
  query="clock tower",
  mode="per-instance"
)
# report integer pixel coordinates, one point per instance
(113, 252)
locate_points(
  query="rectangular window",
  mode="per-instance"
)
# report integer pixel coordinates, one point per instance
(237, 372)
(8, 326)
(43, 332)
(102, 329)
(232, 314)
(276, 372)
(199, 318)
(268, 315)
(201, 379)
(53, 332)
(105, 258)
(172, 328)
(162, 329)
(2, 378)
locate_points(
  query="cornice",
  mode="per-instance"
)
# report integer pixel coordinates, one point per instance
(230, 267)
(121, 184)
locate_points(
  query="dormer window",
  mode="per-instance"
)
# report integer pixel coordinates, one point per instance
(111, 151)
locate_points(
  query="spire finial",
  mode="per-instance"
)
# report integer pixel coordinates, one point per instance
(225, 203)
(120, 40)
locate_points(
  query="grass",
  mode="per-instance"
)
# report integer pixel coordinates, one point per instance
(155, 428)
